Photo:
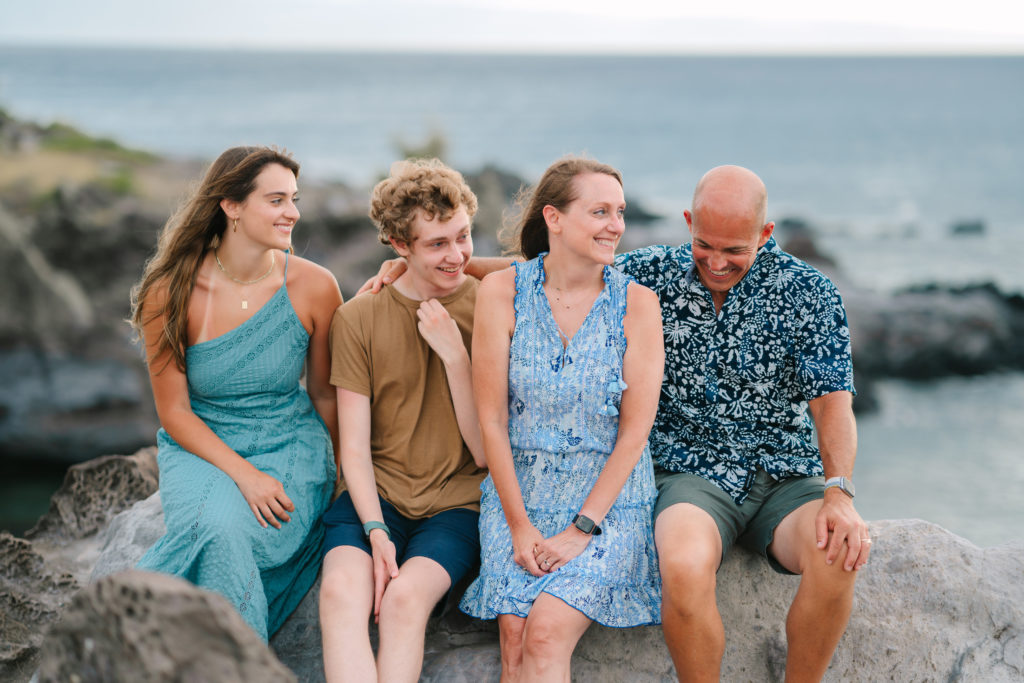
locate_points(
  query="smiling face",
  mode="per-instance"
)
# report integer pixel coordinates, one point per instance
(437, 255)
(592, 224)
(268, 215)
(727, 228)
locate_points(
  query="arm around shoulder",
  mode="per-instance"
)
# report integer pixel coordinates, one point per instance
(316, 297)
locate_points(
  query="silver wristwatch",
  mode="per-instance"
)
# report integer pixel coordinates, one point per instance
(842, 483)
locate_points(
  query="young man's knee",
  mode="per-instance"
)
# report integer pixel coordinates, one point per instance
(407, 600)
(344, 587)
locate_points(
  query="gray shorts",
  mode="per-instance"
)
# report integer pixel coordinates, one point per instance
(751, 524)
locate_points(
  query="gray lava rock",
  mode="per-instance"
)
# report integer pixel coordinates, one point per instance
(140, 626)
(32, 596)
(94, 491)
(930, 606)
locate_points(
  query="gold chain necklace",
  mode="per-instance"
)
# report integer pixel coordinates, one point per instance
(567, 306)
(245, 302)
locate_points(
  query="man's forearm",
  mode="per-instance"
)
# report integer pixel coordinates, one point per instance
(837, 432)
(480, 266)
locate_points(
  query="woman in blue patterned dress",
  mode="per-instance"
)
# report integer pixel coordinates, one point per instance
(567, 364)
(247, 455)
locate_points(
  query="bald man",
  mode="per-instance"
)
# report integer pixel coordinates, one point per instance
(756, 345)
(754, 340)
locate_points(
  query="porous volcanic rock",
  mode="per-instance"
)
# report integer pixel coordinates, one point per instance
(141, 626)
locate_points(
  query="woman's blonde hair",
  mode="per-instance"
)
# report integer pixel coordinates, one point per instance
(194, 228)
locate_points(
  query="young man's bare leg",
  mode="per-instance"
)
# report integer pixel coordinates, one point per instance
(689, 552)
(346, 600)
(821, 608)
(404, 611)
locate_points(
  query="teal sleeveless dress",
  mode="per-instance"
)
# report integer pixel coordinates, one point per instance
(245, 386)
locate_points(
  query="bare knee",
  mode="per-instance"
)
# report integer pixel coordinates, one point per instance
(405, 602)
(688, 577)
(543, 642)
(344, 591)
(829, 581)
(511, 638)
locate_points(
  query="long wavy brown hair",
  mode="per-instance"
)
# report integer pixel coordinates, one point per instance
(555, 188)
(194, 228)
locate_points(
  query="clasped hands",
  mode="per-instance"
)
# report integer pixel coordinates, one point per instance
(540, 556)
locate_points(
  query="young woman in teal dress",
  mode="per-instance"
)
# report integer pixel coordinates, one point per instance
(567, 366)
(230, 318)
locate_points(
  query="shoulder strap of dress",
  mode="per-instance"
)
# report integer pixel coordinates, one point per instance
(287, 252)
(617, 283)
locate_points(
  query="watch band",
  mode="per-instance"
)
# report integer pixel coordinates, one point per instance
(370, 526)
(586, 525)
(842, 483)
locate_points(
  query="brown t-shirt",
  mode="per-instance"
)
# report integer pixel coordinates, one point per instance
(420, 462)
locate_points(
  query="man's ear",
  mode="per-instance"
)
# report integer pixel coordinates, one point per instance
(766, 232)
(401, 247)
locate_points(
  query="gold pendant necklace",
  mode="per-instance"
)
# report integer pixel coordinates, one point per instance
(245, 302)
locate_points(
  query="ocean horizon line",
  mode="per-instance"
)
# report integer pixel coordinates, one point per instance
(915, 52)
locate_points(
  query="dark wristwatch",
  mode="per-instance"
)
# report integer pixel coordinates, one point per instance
(586, 525)
(842, 483)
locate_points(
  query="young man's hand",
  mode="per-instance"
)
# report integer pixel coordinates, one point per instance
(385, 567)
(441, 332)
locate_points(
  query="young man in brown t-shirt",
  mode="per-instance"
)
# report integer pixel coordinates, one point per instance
(404, 528)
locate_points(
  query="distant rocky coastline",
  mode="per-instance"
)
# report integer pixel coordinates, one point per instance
(79, 216)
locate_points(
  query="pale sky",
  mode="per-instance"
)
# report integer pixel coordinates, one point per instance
(594, 26)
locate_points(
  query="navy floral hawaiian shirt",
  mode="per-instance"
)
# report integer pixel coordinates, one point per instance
(736, 385)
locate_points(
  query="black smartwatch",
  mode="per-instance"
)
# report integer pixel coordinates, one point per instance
(586, 525)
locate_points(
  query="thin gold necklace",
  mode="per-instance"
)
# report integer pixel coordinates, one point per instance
(245, 302)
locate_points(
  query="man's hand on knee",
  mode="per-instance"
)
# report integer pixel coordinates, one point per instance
(838, 516)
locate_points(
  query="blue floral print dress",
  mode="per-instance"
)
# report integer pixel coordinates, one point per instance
(563, 423)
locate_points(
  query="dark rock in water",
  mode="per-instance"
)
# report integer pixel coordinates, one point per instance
(796, 236)
(968, 228)
(65, 408)
(141, 626)
(919, 333)
(94, 492)
(936, 331)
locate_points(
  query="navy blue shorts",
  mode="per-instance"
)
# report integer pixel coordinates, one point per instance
(450, 538)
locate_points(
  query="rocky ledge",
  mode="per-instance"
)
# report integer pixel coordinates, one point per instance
(930, 606)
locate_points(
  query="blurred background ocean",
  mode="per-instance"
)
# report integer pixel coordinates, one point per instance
(909, 169)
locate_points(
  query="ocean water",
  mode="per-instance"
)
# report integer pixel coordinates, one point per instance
(881, 155)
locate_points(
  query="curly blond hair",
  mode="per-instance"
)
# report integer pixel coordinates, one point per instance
(425, 185)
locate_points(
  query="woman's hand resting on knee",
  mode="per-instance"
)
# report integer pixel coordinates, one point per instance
(265, 496)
